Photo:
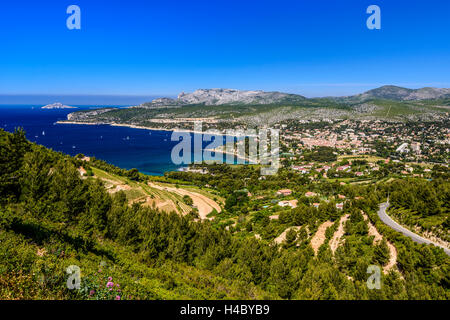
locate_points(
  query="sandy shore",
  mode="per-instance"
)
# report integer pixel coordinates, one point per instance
(127, 126)
(140, 127)
(229, 153)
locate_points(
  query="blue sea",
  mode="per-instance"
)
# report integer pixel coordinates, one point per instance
(147, 150)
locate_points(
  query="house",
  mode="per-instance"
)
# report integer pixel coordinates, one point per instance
(288, 203)
(300, 169)
(343, 168)
(316, 205)
(359, 174)
(415, 147)
(194, 170)
(274, 217)
(340, 206)
(284, 192)
(403, 148)
(82, 171)
(310, 194)
(341, 196)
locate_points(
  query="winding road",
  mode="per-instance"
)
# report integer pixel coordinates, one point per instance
(394, 225)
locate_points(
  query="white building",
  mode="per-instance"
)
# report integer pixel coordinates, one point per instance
(403, 148)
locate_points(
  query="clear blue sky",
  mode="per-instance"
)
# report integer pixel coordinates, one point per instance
(311, 47)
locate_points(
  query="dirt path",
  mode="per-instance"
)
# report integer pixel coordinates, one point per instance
(204, 204)
(282, 237)
(336, 239)
(377, 238)
(113, 186)
(319, 238)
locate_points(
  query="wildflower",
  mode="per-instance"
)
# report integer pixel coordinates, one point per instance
(109, 284)
(117, 297)
(91, 292)
(109, 278)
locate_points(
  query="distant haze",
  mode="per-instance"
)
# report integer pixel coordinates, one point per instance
(75, 99)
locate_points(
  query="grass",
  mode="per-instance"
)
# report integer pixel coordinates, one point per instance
(360, 157)
(140, 191)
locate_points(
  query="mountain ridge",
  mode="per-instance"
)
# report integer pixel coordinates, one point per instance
(221, 96)
(396, 93)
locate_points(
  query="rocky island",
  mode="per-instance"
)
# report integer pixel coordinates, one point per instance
(57, 105)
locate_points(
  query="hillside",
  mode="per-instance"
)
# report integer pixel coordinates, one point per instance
(216, 97)
(404, 94)
(227, 108)
(57, 211)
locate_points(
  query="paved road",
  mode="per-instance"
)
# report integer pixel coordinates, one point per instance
(394, 225)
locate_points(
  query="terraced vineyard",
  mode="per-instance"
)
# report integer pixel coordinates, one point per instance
(163, 196)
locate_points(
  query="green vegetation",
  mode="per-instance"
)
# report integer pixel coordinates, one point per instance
(417, 203)
(51, 218)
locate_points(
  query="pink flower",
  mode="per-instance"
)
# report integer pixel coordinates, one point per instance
(117, 297)
(109, 284)
(91, 292)
(118, 286)
(109, 278)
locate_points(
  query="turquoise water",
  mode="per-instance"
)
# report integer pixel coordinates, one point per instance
(147, 150)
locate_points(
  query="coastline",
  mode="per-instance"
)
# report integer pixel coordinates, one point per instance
(127, 126)
(229, 153)
(150, 129)
(140, 127)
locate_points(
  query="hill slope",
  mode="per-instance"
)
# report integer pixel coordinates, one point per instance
(52, 218)
(227, 108)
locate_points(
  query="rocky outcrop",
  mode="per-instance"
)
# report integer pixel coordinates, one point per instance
(231, 96)
(86, 115)
(57, 105)
(404, 94)
(215, 97)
